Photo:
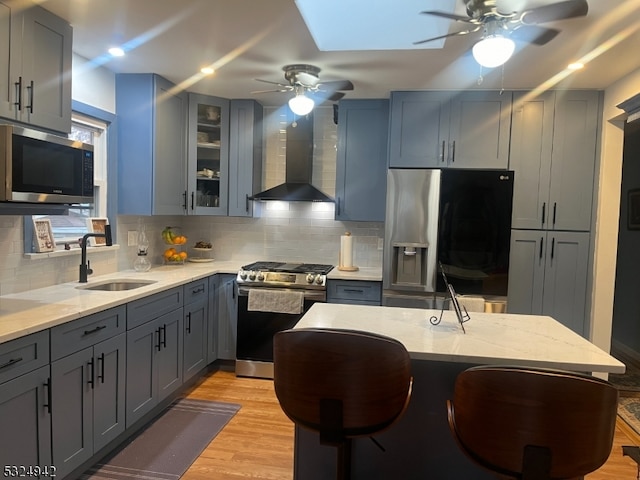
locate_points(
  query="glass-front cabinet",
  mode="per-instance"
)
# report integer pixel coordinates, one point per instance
(208, 155)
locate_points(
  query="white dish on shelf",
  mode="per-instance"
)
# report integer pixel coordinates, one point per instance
(200, 260)
(199, 249)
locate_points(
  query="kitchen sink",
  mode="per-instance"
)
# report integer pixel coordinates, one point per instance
(117, 285)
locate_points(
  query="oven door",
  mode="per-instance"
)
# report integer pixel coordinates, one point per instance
(254, 344)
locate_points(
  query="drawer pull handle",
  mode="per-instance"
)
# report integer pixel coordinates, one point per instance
(198, 290)
(12, 361)
(94, 330)
(189, 322)
(101, 374)
(47, 385)
(92, 373)
(354, 290)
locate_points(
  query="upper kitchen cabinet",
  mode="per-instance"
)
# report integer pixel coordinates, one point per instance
(152, 115)
(553, 152)
(361, 169)
(208, 155)
(450, 129)
(245, 156)
(35, 60)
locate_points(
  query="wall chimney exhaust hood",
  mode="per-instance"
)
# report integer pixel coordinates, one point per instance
(299, 167)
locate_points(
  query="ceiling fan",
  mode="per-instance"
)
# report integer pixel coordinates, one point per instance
(499, 24)
(304, 82)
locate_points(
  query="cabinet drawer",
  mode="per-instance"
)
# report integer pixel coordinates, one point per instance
(196, 291)
(145, 309)
(338, 290)
(24, 354)
(85, 332)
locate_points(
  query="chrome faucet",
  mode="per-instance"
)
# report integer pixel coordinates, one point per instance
(85, 266)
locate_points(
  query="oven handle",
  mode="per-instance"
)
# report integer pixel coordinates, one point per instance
(316, 295)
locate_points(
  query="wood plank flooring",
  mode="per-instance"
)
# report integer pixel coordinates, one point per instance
(258, 442)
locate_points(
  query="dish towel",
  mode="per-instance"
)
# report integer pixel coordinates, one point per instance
(278, 301)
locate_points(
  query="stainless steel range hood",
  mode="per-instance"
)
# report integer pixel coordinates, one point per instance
(299, 167)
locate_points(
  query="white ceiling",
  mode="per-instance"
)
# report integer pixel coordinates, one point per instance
(249, 39)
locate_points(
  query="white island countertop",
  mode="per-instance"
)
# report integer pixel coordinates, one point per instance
(491, 338)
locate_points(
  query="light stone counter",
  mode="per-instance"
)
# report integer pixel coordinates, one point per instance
(420, 444)
(34, 310)
(363, 273)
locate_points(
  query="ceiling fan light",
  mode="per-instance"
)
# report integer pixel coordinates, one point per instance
(493, 51)
(301, 104)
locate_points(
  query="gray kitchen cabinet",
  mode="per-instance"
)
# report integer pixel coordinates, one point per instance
(548, 276)
(35, 58)
(25, 401)
(361, 170)
(196, 320)
(224, 320)
(154, 350)
(87, 383)
(208, 155)
(245, 156)
(553, 152)
(356, 292)
(450, 129)
(152, 149)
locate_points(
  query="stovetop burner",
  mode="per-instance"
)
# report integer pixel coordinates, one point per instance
(316, 268)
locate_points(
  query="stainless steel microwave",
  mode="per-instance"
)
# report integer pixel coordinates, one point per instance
(39, 167)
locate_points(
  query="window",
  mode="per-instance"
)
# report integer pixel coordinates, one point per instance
(67, 229)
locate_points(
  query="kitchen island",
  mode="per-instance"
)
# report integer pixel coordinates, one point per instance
(420, 445)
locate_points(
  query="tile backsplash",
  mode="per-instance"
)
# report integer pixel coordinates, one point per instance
(287, 231)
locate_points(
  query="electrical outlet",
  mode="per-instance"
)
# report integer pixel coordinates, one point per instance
(132, 238)
(380, 243)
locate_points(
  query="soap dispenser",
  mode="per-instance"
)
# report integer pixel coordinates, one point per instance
(141, 263)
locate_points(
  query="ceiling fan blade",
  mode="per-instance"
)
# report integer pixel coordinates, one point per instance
(555, 11)
(336, 85)
(321, 96)
(334, 97)
(534, 34)
(282, 90)
(455, 34)
(288, 87)
(450, 16)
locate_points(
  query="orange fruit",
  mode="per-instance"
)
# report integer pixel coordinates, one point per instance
(169, 252)
(183, 255)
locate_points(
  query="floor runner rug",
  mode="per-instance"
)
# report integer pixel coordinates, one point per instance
(169, 444)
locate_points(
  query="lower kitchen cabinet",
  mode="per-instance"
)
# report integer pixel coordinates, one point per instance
(25, 420)
(354, 292)
(548, 276)
(223, 321)
(154, 363)
(196, 320)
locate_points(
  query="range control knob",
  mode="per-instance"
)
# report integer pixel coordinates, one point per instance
(260, 276)
(252, 275)
(319, 279)
(243, 275)
(310, 278)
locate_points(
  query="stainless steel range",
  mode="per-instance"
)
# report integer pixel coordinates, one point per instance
(272, 296)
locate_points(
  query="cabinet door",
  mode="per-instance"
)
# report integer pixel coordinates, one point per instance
(480, 130)
(72, 381)
(526, 271)
(245, 156)
(419, 129)
(361, 170)
(142, 344)
(195, 337)
(565, 278)
(169, 365)
(530, 158)
(109, 393)
(208, 155)
(573, 160)
(46, 70)
(10, 42)
(226, 309)
(25, 420)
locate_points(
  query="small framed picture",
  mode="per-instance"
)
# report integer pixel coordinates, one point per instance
(633, 207)
(96, 225)
(43, 235)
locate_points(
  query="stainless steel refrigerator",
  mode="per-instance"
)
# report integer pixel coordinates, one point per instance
(457, 218)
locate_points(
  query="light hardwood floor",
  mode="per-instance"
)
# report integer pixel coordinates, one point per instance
(258, 441)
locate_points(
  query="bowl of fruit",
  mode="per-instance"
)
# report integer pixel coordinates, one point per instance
(174, 257)
(172, 236)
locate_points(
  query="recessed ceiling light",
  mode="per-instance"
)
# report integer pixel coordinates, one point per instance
(207, 70)
(575, 66)
(116, 52)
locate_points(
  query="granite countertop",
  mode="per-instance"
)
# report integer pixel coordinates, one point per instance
(34, 310)
(491, 338)
(372, 274)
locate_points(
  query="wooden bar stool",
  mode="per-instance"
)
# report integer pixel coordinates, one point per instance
(533, 424)
(341, 383)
